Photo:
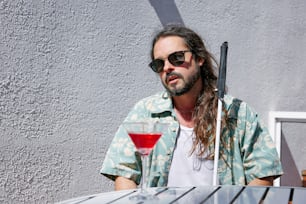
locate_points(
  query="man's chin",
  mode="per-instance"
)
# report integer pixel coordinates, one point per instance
(177, 92)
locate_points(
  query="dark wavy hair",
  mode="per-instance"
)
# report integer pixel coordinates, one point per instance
(205, 113)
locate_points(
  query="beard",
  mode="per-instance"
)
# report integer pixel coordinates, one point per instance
(187, 86)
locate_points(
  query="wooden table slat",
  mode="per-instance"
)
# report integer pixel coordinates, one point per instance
(278, 195)
(197, 195)
(251, 195)
(299, 196)
(224, 195)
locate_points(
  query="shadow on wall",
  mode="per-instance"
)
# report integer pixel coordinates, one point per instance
(167, 12)
(291, 176)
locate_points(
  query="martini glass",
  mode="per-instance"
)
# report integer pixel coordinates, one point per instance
(144, 136)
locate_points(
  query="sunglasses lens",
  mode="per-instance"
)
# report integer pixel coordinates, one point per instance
(177, 58)
(157, 65)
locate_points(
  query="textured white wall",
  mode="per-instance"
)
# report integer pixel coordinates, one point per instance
(71, 70)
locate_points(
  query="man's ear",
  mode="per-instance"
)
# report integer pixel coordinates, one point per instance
(201, 61)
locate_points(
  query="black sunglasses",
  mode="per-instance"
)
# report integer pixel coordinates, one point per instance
(175, 58)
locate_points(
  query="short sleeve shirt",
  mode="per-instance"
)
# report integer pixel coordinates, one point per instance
(246, 149)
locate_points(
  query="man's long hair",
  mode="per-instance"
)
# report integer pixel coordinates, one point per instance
(205, 113)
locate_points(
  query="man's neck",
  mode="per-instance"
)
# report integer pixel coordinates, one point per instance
(185, 116)
(187, 101)
(184, 107)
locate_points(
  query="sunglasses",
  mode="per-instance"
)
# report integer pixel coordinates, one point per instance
(175, 58)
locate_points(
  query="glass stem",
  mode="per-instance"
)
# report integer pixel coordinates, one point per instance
(143, 183)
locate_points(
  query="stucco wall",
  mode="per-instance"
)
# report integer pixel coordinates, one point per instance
(71, 70)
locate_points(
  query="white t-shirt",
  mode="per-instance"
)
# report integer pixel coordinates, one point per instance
(186, 169)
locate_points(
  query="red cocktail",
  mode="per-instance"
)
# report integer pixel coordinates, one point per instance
(144, 142)
(144, 136)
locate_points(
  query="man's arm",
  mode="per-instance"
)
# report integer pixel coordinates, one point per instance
(266, 181)
(122, 183)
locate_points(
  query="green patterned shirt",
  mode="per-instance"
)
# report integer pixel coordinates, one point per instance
(246, 151)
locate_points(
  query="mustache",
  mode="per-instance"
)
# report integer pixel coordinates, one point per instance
(178, 75)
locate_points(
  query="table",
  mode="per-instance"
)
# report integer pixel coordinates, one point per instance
(204, 194)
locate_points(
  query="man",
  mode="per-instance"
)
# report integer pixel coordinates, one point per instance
(183, 156)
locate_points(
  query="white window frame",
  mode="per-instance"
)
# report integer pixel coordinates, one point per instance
(275, 127)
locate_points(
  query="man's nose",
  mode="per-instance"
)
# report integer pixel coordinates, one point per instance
(168, 67)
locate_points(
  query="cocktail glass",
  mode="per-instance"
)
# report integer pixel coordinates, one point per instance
(144, 136)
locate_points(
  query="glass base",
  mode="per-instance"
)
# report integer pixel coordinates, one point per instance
(144, 196)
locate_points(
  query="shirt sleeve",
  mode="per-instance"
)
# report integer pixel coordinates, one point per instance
(121, 158)
(259, 155)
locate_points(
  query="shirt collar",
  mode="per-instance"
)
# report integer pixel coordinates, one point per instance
(163, 105)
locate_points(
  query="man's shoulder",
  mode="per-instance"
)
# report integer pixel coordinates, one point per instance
(156, 98)
(158, 102)
(237, 107)
(231, 101)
